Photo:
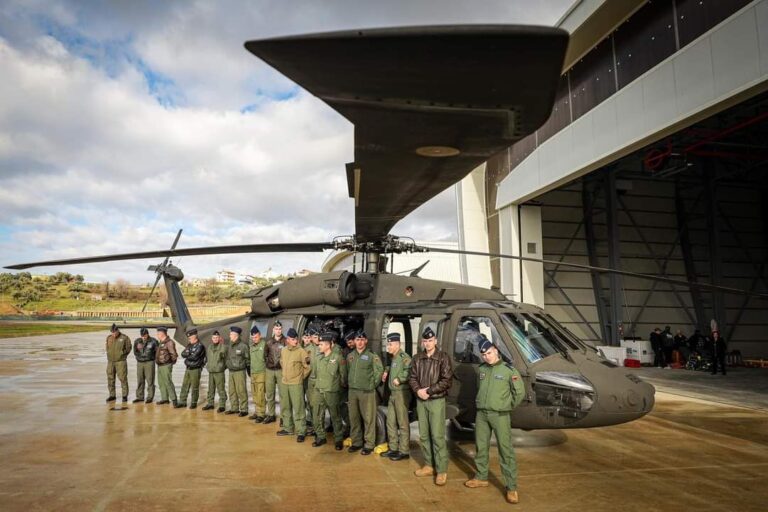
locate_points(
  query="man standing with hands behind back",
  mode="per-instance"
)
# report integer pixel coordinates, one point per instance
(430, 379)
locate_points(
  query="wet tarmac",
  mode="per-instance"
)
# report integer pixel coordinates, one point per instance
(62, 448)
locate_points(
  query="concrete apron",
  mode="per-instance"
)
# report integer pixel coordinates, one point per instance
(63, 448)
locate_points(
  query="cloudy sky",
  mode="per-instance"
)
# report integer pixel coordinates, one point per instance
(121, 122)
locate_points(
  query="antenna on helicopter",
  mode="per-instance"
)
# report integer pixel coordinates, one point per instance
(159, 270)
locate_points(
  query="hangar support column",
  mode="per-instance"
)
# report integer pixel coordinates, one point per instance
(520, 235)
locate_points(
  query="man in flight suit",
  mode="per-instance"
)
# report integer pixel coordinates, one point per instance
(396, 377)
(293, 361)
(144, 349)
(217, 364)
(330, 371)
(194, 359)
(118, 346)
(500, 389)
(238, 362)
(363, 375)
(430, 379)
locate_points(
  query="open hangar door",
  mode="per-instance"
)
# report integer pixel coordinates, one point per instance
(691, 206)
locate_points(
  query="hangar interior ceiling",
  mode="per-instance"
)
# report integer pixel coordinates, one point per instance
(691, 206)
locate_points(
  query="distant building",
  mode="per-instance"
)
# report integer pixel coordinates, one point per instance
(225, 276)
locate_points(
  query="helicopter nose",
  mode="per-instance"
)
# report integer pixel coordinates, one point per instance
(628, 402)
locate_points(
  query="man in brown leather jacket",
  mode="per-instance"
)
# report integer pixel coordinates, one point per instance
(430, 379)
(165, 358)
(274, 380)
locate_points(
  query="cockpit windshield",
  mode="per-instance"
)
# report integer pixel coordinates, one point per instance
(535, 338)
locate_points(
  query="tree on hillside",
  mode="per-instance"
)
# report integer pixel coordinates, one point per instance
(121, 289)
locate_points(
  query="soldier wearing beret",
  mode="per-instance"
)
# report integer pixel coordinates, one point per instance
(258, 375)
(396, 377)
(166, 357)
(364, 374)
(238, 363)
(217, 364)
(430, 379)
(293, 361)
(118, 346)
(330, 370)
(194, 359)
(500, 389)
(144, 349)
(274, 373)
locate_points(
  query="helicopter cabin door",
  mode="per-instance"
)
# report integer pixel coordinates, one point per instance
(461, 340)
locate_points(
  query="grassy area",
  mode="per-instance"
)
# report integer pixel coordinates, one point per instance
(17, 329)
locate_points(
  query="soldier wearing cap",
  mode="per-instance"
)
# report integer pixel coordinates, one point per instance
(274, 373)
(330, 371)
(309, 384)
(194, 359)
(118, 346)
(346, 349)
(217, 364)
(293, 361)
(238, 362)
(144, 349)
(258, 375)
(396, 377)
(430, 379)
(363, 374)
(500, 389)
(166, 357)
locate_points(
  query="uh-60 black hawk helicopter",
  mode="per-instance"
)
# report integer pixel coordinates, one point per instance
(428, 104)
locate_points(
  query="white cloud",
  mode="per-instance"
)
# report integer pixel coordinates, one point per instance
(92, 163)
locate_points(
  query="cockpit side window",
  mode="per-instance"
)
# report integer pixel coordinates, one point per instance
(469, 332)
(533, 337)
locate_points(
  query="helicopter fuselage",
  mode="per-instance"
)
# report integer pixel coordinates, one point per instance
(568, 383)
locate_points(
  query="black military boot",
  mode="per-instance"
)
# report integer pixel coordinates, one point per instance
(207, 407)
(163, 402)
(175, 403)
(300, 438)
(339, 446)
(111, 399)
(284, 433)
(353, 448)
(137, 400)
(269, 419)
(243, 414)
(125, 399)
(319, 441)
(399, 456)
(232, 412)
(193, 406)
(221, 409)
(366, 451)
(252, 416)
(387, 453)
(148, 401)
(258, 419)
(178, 405)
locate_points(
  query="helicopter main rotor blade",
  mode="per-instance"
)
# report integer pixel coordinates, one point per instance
(157, 279)
(669, 280)
(193, 251)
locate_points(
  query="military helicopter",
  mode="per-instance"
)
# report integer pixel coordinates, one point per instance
(429, 104)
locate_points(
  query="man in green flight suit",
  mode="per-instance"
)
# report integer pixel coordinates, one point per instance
(311, 347)
(144, 348)
(118, 346)
(166, 357)
(217, 364)
(194, 359)
(330, 371)
(430, 379)
(258, 375)
(364, 374)
(238, 363)
(396, 376)
(293, 360)
(500, 389)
